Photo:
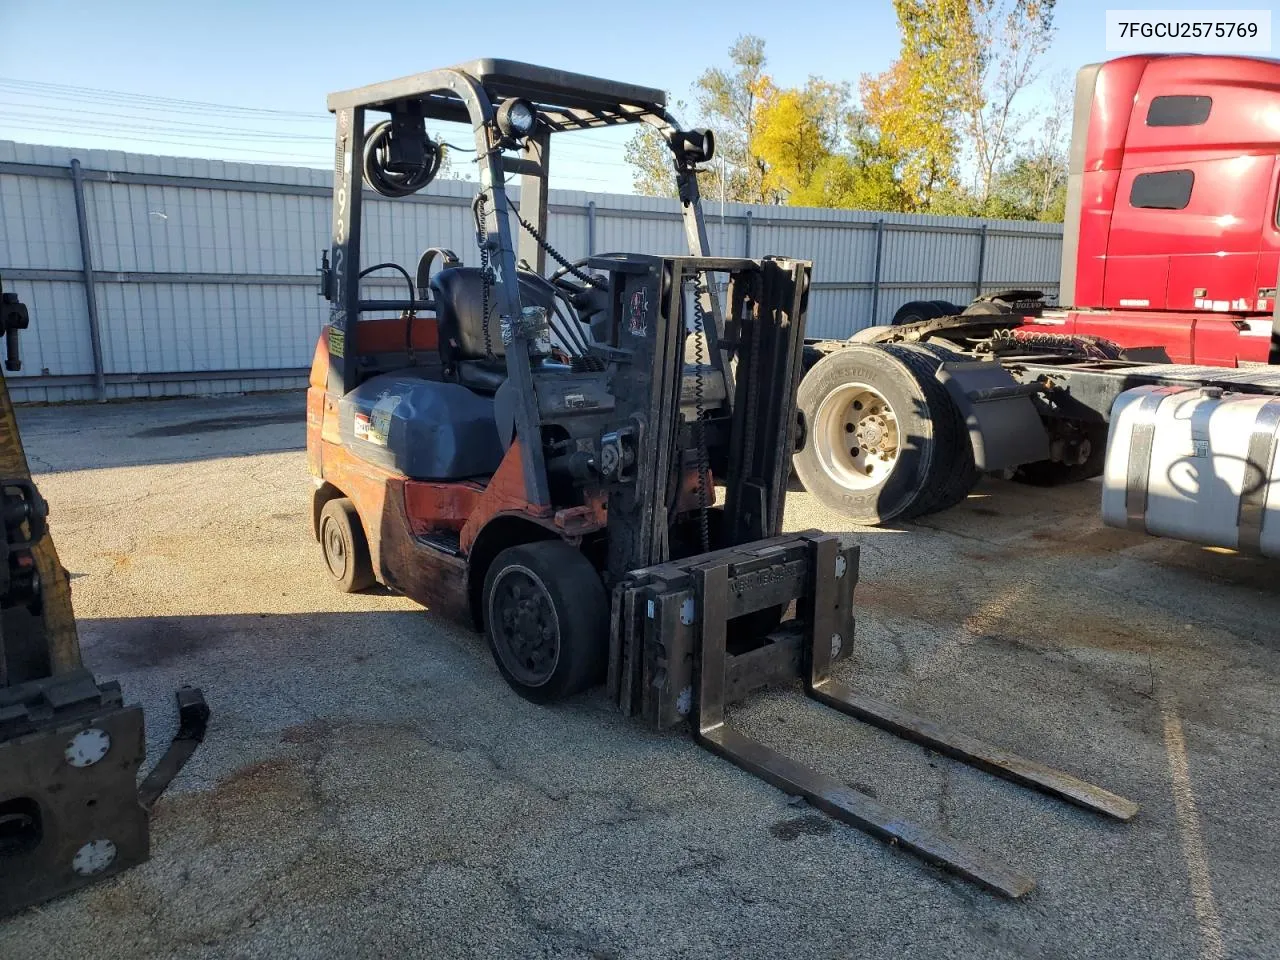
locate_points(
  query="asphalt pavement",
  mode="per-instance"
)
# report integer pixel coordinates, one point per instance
(370, 788)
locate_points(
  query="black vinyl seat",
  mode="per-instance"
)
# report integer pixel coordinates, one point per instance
(458, 293)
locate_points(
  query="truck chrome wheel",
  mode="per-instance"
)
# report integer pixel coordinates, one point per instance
(526, 630)
(884, 438)
(856, 436)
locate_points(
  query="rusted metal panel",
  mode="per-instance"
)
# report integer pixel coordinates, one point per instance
(426, 575)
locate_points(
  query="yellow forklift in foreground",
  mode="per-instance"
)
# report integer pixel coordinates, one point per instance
(71, 809)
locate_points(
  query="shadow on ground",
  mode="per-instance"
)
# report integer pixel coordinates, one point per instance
(90, 436)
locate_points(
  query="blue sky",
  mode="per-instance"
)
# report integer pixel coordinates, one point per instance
(288, 55)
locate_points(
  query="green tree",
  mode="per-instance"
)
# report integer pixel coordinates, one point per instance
(726, 100)
(1034, 185)
(1019, 192)
(952, 100)
(1000, 64)
(652, 166)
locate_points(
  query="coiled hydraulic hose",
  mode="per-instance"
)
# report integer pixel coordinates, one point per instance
(393, 183)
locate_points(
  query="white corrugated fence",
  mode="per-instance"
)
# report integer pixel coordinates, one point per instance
(204, 272)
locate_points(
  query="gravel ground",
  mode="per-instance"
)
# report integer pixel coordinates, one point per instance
(370, 788)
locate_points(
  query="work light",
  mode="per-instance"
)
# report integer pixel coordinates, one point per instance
(695, 146)
(516, 118)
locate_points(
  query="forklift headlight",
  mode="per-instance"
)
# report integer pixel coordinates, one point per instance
(695, 146)
(516, 118)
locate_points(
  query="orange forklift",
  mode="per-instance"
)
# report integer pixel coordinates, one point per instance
(539, 454)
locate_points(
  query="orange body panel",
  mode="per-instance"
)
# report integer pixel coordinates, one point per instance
(434, 506)
(430, 577)
(316, 404)
(504, 494)
(366, 485)
(322, 409)
(387, 335)
(395, 510)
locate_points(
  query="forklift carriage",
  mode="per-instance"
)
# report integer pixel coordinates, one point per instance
(541, 454)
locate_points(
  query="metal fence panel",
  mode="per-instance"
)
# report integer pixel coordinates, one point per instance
(54, 343)
(205, 271)
(38, 223)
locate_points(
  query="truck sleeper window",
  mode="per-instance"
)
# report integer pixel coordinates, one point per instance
(1168, 190)
(1178, 111)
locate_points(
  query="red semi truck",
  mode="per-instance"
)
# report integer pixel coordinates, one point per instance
(1172, 230)
(1171, 250)
(1172, 235)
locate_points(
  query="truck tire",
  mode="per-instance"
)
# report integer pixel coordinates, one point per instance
(956, 476)
(809, 356)
(868, 334)
(546, 618)
(914, 311)
(881, 433)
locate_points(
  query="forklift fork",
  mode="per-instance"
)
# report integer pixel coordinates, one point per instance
(733, 582)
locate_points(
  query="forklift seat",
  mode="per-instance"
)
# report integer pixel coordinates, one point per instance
(458, 293)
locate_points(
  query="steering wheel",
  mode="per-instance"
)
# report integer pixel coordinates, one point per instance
(559, 275)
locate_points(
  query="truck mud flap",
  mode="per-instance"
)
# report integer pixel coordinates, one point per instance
(674, 658)
(1005, 429)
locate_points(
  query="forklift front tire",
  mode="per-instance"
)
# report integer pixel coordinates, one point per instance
(546, 618)
(346, 552)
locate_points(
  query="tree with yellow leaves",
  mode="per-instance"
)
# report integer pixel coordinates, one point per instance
(940, 131)
(797, 131)
(961, 72)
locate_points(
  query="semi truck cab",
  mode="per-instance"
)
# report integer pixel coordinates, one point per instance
(1172, 230)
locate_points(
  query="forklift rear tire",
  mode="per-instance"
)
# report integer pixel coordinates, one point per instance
(546, 617)
(346, 552)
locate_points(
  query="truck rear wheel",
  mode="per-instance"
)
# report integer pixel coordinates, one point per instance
(546, 617)
(956, 476)
(882, 438)
(915, 311)
(868, 334)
